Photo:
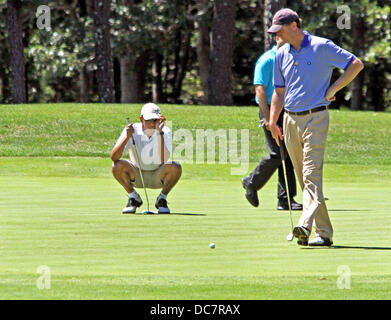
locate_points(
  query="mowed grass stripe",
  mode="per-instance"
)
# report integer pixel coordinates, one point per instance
(92, 130)
(99, 253)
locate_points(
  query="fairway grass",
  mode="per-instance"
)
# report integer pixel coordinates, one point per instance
(65, 213)
(60, 210)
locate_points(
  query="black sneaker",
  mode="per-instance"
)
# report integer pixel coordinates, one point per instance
(251, 193)
(283, 205)
(161, 205)
(132, 205)
(302, 242)
(302, 234)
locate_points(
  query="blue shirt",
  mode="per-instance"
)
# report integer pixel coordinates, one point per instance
(263, 73)
(306, 73)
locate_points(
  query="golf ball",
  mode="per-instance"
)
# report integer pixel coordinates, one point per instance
(212, 245)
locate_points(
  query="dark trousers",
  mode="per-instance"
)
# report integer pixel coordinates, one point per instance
(270, 163)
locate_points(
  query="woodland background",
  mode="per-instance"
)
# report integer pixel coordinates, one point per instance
(175, 51)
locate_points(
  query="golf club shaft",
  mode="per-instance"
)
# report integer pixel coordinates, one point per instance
(139, 167)
(286, 180)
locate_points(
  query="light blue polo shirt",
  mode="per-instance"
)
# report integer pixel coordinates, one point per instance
(306, 73)
(263, 73)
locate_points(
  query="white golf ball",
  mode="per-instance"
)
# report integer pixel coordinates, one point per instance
(212, 245)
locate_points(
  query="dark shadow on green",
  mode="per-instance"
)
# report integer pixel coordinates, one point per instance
(360, 247)
(187, 214)
(350, 247)
(171, 214)
(349, 210)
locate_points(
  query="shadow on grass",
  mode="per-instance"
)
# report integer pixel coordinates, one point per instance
(349, 210)
(172, 214)
(350, 247)
(187, 214)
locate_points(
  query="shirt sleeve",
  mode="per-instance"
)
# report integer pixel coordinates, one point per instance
(278, 77)
(263, 72)
(336, 56)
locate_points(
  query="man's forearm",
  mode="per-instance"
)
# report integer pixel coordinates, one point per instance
(276, 107)
(348, 76)
(260, 91)
(164, 153)
(118, 151)
(275, 110)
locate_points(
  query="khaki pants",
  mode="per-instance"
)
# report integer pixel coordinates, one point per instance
(305, 139)
(151, 178)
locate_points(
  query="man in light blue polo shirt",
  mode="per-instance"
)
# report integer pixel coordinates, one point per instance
(302, 73)
(263, 82)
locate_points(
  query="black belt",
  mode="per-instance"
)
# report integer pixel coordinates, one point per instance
(302, 113)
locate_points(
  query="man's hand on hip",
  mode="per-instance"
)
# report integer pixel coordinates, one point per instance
(330, 94)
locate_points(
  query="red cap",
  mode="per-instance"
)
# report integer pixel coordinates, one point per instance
(282, 17)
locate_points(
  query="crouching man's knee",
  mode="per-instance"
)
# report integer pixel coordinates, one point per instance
(177, 168)
(117, 167)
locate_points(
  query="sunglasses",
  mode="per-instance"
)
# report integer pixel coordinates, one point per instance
(151, 120)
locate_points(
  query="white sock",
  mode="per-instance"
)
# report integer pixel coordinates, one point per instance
(134, 195)
(162, 195)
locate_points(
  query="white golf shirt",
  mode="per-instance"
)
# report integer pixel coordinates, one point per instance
(147, 147)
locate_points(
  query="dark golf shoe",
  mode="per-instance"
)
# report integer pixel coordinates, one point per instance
(302, 234)
(132, 205)
(302, 242)
(251, 193)
(320, 242)
(283, 205)
(161, 205)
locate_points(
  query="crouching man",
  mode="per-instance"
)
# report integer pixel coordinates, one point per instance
(148, 142)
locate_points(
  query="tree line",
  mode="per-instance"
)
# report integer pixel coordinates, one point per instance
(175, 51)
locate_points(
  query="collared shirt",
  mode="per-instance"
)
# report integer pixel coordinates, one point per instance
(263, 73)
(147, 147)
(306, 73)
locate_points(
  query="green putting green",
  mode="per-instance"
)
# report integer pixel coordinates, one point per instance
(60, 213)
(74, 226)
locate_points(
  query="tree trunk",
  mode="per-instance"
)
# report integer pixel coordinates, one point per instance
(181, 66)
(271, 7)
(1, 89)
(220, 75)
(358, 31)
(203, 44)
(375, 88)
(17, 52)
(133, 78)
(157, 83)
(90, 7)
(104, 62)
(84, 82)
(117, 79)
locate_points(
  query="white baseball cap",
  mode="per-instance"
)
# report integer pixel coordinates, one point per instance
(150, 111)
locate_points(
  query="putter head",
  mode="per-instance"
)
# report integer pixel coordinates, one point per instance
(289, 237)
(148, 212)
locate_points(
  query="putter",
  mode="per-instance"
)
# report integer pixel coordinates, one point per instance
(289, 237)
(141, 175)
